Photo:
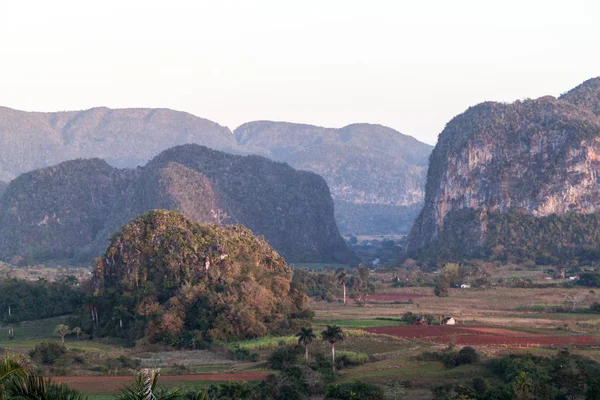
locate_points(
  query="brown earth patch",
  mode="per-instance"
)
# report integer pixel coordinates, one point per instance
(481, 336)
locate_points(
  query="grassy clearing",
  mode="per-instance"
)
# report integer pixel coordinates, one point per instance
(267, 342)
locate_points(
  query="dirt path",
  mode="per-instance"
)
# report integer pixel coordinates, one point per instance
(112, 384)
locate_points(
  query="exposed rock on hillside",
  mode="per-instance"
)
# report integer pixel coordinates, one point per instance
(500, 169)
(69, 211)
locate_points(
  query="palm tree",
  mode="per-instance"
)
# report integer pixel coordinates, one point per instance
(12, 367)
(35, 387)
(77, 331)
(144, 388)
(305, 337)
(342, 278)
(332, 334)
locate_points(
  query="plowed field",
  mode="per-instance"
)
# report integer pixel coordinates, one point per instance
(481, 335)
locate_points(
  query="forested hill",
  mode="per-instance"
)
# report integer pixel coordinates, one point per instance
(518, 180)
(123, 137)
(365, 165)
(3, 186)
(69, 211)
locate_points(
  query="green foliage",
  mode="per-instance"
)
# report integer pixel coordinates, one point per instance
(34, 387)
(561, 376)
(47, 352)
(320, 285)
(350, 359)
(354, 391)
(451, 358)
(441, 289)
(515, 237)
(243, 354)
(165, 279)
(39, 299)
(145, 388)
(284, 356)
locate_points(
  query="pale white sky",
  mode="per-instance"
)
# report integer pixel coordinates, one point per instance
(411, 65)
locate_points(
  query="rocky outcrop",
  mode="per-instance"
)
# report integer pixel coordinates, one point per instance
(534, 158)
(70, 210)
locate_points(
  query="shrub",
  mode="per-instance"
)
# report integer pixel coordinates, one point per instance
(451, 358)
(350, 358)
(356, 390)
(467, 355)
(243, 354)
(285, 356)
(47, 352)
(323, 365)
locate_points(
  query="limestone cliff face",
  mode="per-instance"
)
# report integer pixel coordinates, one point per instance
(536, 158)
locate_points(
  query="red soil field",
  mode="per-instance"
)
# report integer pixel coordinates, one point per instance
(112, 384)
(474, 335)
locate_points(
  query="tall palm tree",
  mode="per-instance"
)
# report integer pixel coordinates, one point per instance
(305, 337)
(342, 278)
(332, 334)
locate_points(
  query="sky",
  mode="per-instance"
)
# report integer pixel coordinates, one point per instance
(410, 65)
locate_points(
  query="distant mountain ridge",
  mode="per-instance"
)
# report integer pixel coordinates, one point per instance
(362, 163)
(123, 137)
(518, 180)
(68, 211)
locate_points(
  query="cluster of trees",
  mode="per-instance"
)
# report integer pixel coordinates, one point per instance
(518, 238)
(165, 279)
(354, 284)
(22, 300)
(525, 376)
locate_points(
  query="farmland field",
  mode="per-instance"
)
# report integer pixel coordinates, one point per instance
(494, 321)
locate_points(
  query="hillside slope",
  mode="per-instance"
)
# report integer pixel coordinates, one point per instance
(69, 211)
(363, 164)
(515, 180)
(123, 137)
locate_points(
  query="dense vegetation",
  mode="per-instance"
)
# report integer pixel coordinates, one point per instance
(518, 180)
(376, 174)
(68, 212)
(28, 300)
(563, 376)
(165, 279)
(124, 137)
(514, 237)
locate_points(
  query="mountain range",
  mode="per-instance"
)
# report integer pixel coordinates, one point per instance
(365, 165)
(516, 181)
(69, 211)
